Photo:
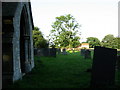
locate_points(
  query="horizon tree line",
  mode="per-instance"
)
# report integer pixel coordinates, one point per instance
(66, 33)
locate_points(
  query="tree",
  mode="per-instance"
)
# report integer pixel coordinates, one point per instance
(115, 43)
(118, 38)
(38, 40)
(65, 32)
(93, 41)
(110, 41)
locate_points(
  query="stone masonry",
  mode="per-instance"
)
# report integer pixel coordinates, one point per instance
(17, 50)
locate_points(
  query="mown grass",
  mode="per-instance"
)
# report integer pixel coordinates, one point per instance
(64, 71)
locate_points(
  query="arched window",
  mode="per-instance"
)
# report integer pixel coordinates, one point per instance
(24, 40)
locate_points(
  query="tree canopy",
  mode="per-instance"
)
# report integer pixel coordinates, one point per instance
(110, 41)
(65, 32)
(93, 41)
(38, 40)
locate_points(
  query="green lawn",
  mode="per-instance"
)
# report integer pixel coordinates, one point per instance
(64, 71)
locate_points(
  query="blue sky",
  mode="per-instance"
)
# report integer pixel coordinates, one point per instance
(97, 17)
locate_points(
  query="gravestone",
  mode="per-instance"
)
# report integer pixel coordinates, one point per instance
(45, 51)
(118, 62)
(82, 51)
(40, 52)
(52, 52)
(64, 52)
(58, 51)
(118, 52)
(103, 67)
(87, 54)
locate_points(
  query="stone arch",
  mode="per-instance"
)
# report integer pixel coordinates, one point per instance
(17, 44)
(24, 41)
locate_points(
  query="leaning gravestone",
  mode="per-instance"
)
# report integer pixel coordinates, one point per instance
(52, 52)
(103, 67)
(87, 54)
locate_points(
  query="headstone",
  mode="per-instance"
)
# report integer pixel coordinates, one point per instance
(118, 62)
(58, 50)
(103, 67)
(82, 51)
(40, 52)
(118, 52)
(87, 54)
(64, 52)
(52, 52)
(46, 52)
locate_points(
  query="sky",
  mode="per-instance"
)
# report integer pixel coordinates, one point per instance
(96, 17)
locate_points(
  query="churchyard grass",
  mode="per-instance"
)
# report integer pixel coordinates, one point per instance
(64, 71)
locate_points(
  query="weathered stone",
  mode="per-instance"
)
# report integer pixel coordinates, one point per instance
(64, 52)
(52, 52)
(118, 52)
(46, 51)
(103, 67)
(87, 54)
(58, 51)
(118, 62)
(82, 51)
(40, 52)
(17, 53)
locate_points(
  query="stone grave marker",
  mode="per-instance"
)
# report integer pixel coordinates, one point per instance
(118, 62)
(82, 51)
(103, 67)
(87, 54)
(64, 52)
(58, 51)
(118, 52)
(52, 52)
(45, 51)
(39, 52)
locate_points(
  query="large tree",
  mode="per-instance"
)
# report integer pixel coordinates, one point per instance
(38, 40)
(110, 41)
(65, 32)
(93, 41)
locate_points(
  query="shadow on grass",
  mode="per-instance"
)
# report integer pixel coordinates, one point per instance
(64, 71)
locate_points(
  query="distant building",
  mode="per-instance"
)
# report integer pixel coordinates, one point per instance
(84, 45)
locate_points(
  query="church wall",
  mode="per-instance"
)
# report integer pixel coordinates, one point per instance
(11, 46)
